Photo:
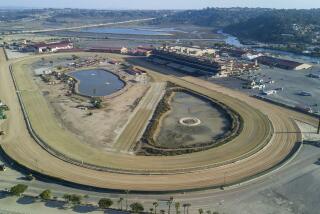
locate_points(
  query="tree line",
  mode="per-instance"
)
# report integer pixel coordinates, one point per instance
(257, 24)
(71, 200)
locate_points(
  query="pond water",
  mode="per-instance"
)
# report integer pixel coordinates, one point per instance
(183, 105)
(97, 82)
(131, 31)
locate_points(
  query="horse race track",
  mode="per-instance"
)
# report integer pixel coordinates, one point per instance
(268, 136)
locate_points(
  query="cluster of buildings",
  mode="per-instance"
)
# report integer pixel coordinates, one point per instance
(191, 51)
(282, 63)
(137, 74)
(220, 62)
(190, 65)
(41, 47)
(138, 51)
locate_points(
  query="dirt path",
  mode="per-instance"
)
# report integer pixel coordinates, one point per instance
(137, 123)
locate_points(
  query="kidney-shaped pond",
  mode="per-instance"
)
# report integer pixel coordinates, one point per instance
(97, 82)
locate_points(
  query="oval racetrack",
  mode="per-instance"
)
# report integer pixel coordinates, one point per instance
(269, 135)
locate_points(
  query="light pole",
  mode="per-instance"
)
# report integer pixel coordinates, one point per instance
(318, 132)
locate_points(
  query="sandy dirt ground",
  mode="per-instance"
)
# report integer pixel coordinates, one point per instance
(102, 127)
(138, 122)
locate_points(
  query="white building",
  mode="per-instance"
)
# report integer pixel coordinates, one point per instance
(192, 51)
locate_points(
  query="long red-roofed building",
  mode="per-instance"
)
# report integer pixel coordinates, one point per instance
(52, 47)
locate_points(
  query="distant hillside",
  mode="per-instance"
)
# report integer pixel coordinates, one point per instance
(263, 25)
(72, 15)
(282, 26)
(211, 17)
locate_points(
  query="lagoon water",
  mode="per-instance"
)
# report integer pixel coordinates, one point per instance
(97, 82)
(130, 31)
(231, 40)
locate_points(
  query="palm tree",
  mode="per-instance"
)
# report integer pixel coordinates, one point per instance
(155, 204)
(169, 204)
(127, 193)
(200, 211)
(177, 205)
(184, 208)
(120, 202)
(188, 205)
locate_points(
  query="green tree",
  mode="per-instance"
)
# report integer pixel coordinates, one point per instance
(105, 203)
(162, 211)
(97, 102)
(74, 199)
(137, 207)
(177, 206)
(67, 198)
(200, 211)
(17, 190)
(209, 212)
(45, 195)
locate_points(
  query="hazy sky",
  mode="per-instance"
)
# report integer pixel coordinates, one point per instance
(161, 4)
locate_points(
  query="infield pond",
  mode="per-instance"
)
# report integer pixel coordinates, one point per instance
(174, 134)
(97, 82)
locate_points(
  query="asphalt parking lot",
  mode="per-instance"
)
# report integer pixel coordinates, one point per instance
(292, 82)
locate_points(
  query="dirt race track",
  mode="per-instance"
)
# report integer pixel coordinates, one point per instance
(268, 136)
